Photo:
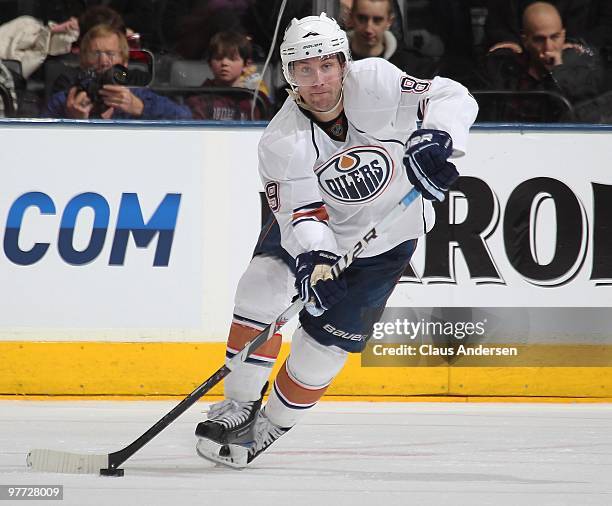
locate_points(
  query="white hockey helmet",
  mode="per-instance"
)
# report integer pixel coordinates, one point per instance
(312, 36)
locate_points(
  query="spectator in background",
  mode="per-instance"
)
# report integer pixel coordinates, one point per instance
(397, 25)
(437, 37)
(505, 18)
(102, 47)
(231, 62)
(95, 15)
(371, 36)
(545, 61)
(231, 65)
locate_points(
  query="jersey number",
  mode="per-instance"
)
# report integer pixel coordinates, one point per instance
(272, 195)
(411, 85)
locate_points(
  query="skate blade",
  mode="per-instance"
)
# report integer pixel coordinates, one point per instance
(233, 456)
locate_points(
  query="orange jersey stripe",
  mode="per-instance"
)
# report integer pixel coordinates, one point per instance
(320, 213)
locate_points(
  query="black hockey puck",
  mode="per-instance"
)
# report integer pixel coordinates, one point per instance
(111, 472)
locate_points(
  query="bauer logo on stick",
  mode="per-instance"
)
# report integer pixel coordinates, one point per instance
(356, 175)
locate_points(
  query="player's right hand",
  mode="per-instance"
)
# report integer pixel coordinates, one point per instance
(315, 282)
(427, 165)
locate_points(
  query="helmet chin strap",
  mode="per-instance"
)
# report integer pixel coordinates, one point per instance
(300, 101)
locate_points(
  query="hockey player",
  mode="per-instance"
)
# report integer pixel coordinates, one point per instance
(340, 154)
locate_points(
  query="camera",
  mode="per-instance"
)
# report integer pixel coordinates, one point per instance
(91, 82)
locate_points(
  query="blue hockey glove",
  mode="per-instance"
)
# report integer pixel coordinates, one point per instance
(427, 165)
(315, 283)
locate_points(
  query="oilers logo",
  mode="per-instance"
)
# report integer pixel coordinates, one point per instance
(357, 175)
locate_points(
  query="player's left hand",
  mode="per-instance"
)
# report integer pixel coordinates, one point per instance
(121, 98)
(427, 165)
(315, 283)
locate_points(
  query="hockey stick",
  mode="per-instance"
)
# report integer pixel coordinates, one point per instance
(108, 464)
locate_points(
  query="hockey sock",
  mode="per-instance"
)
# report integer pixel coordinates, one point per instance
(245, 383)
(303, 378)
(290, 399)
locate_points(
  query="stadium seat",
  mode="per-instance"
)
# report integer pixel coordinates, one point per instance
(189, 73)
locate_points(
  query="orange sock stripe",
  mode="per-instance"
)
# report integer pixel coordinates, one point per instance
(241, 334)
(294, 392)
(230, 352)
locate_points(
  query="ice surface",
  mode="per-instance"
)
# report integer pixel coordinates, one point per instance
(346, 453)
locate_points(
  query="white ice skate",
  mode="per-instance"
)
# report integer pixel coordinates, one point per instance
(240, 455)
(229, 421)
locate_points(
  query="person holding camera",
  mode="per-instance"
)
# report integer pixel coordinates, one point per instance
(99, 90)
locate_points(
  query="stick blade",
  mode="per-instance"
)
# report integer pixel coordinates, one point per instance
(52, 461)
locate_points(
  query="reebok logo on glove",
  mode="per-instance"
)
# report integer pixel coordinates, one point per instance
(427, 165)
(417, 139)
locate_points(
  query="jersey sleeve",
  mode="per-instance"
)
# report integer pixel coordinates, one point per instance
(286, 167)
(441, 104)
(384, 99)
(449, 106)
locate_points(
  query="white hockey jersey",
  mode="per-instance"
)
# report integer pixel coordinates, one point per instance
(326, 194)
